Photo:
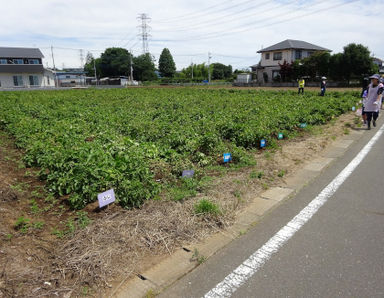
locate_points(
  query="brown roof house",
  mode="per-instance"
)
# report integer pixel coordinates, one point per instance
(23, 67)
(288, 50)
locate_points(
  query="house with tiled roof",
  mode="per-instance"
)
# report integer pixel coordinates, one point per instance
(23, 67)
(288, 50)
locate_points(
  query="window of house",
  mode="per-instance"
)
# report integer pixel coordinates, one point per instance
(277, 56)
(33, 61)
(48, 81)
(67, 77)
(33, 80)
(298, 54)
(310, 54)
(18, 61)
(3, 61)
(17, 80)
(267, 56)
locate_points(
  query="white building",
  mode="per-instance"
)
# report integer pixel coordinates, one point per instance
(288, 50)
(71, 77)
(243, 78)
(379, 63)
(23, 68)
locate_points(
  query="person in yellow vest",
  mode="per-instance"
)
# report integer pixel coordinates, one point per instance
(301, 85)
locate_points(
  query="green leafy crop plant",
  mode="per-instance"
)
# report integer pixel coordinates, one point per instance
(87, 141)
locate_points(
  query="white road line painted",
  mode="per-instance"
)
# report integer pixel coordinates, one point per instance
(250, 266)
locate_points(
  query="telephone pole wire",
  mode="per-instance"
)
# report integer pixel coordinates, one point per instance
(144, 29)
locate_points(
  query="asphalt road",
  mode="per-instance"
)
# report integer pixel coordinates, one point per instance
(339, 252)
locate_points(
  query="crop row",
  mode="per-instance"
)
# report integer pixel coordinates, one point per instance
(87, 141)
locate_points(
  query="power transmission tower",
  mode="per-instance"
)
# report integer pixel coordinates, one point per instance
(209, 68)
(144, 29)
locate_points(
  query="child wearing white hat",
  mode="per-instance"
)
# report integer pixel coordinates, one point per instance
(372, 102)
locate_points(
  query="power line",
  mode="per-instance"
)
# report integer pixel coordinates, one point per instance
(129, 36)
(300, 16)
(193, 14)
(228, 32)
(208, 13)
(129, 41)
(219, 19)
(234, 31)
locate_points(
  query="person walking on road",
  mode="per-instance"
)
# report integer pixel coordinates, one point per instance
(301, 85)
(373, 100)
(323, 86)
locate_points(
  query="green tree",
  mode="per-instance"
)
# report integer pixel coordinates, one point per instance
(90, 63)
(244, 70)
(314, 66)
(115, 62)
(221, 71)
(357, 61)
(167, 66)
(144, 68)
(337, 69)
(200, 72)
(321, 61)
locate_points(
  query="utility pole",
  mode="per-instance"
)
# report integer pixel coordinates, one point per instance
(82, 81)
(81, 58)
(209, 68)
(144, 19)
(54, 67)
(94, 68)
(130, 57)
(192, 69)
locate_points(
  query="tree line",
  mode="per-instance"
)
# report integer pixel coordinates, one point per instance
(115, 62)
(352, 64)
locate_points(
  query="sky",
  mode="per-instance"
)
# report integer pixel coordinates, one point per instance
(232, 31)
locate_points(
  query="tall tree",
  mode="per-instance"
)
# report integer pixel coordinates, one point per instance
(314, 66)
(357, 61)
(90, 63)
(144, 68)
(221, 71)
(115, 62)
(200, 71)
(167, 66)
(337, 69)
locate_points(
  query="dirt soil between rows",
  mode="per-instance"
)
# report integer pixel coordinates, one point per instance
(46, 249)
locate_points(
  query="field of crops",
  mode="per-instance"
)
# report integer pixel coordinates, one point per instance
(138, 141)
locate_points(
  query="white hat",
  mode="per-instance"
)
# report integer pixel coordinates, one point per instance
(323, 78)
(375, 76)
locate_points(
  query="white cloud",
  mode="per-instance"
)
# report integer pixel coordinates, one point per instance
(241, 26)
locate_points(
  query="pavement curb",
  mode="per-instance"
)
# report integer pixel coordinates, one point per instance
(184, 260)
